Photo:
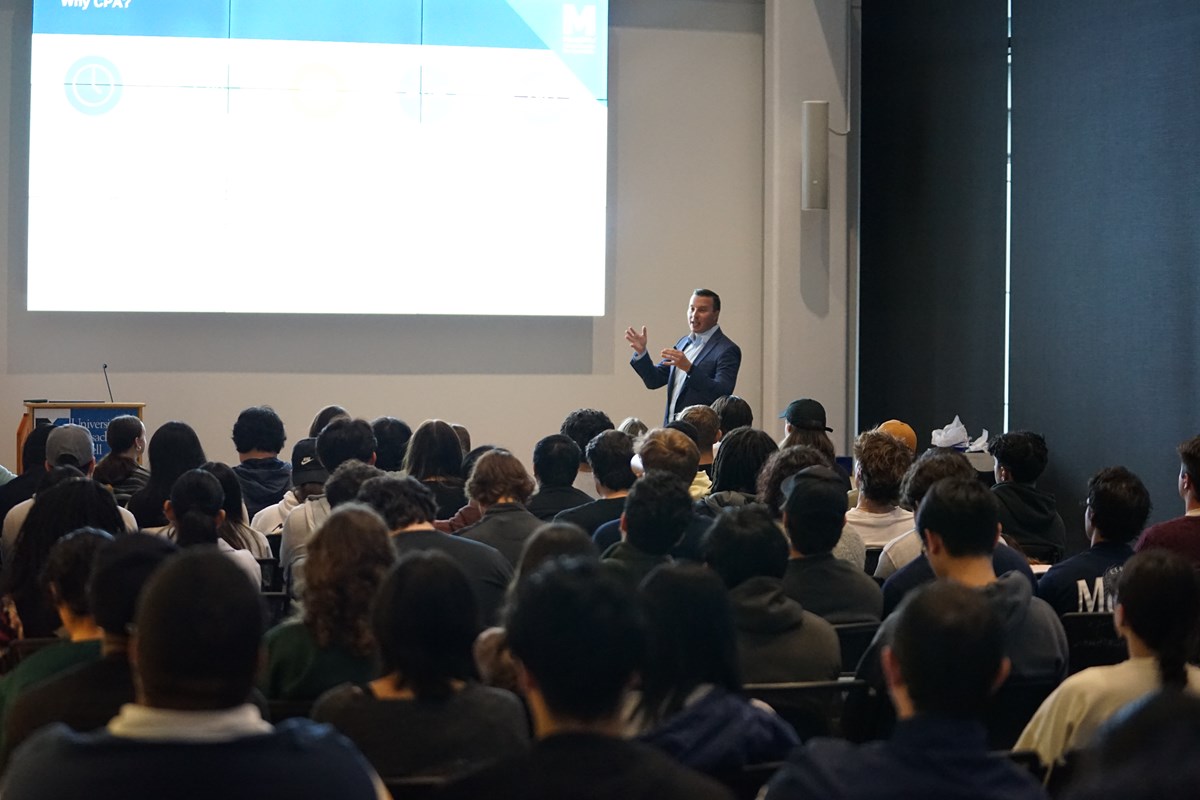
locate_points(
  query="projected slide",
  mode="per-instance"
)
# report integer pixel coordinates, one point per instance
(319, 156)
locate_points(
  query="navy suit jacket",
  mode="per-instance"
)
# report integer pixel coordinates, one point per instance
(713, 374)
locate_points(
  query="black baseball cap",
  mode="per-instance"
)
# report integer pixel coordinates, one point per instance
(806, 414)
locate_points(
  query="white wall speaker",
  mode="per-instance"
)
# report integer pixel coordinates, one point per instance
(814, 164)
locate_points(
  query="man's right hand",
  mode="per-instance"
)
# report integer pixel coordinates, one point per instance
(636, 340)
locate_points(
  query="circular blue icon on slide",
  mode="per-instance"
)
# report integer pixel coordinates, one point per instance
(93, 85)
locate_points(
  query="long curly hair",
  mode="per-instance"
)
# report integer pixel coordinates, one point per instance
(347, 560)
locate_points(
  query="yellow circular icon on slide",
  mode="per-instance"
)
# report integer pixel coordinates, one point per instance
(319, 90)
(93, 85)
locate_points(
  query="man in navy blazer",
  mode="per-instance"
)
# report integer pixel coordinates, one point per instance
(701, 367)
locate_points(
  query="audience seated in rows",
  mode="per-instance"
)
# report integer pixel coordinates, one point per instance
(880, 461)
(196, 512)
(1118, 505)
(1027, 514)
(944, 659)
(259, 437)
(657, 512)
(608, 455)
(813, 516)
(308, 481)
(499, 486)
(332, 642)
(582, 426)
(85, 697)
(120, 470)
(690, 705)
(435, 459)
(1182, 534)
(555, 465)
(195, 652)
(578, 641)
(408, 508)
(929, 468)
(1157, 613)
(173, 450)
(736, 468)
(778, 640)
(427, 714)
(66, 446)
(959, 526)
(786, 463)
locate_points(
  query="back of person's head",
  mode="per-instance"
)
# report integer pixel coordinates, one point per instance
(1022, 453)
(471, 458)
(65, 576)
(882, 461)
(344, 439)
(1159, 598)
(120, 569)
(123, 432)
(584, 424)
(692, 640)
(346, 481)
(963, 512)
(56, 475)
(816, 439)
(199, 625)
(434, 452)
(741, 457)
(949, 645)
(174, 449)
(1189, 461)
(814, 510)
(657, 512)
(671, 451)
(72, 504)
(929, 468)
(744, 542)
(686, 428)
(306, 466)
(577, 631)
(70, 446)
(33, 450)
(782, 465)
(1118, 504)
(556, 460)
(498, 474)
(425, 619)
(609, 454)
(391, 442)
(464, 437)
(400, 501)
(347, 559)
(734, 412)
(706, 422)
(633, 427)
(552, 540)
(232, 488)
(902, 431)
(259, 428)
(197, 503)
(325, 416)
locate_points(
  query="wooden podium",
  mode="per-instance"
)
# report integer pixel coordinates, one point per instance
(91, 415)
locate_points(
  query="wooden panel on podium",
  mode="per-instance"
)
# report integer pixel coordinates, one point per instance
(91, 415)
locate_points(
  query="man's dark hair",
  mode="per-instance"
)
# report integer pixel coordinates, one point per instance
(556, 460)
(1120, 504)
(882, 462)
(120, 571)
(929, 468)
(814, 510)
(734, 412)
(671, 450)
(344, 439)
(949, 642)
(199, 626)
(657, 512)
(346, 481)
(69, 565)
(400, 501)
(962, 512)
(33, 451)
(584, 424)
(391, 442)
(1160, 598)
(425, 620)
(609, 454)
(743, 543)
(1189, 459)
(1022, 453)
(122, 432)
(577, 630)
(709, 293)
(259, 428)
(740, 458)
(781, 466)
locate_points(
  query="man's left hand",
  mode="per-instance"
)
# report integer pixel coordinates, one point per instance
(676, 358)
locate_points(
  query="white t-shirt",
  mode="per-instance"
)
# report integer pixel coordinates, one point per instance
(877, 530)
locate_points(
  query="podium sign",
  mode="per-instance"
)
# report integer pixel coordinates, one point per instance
(93, 416)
